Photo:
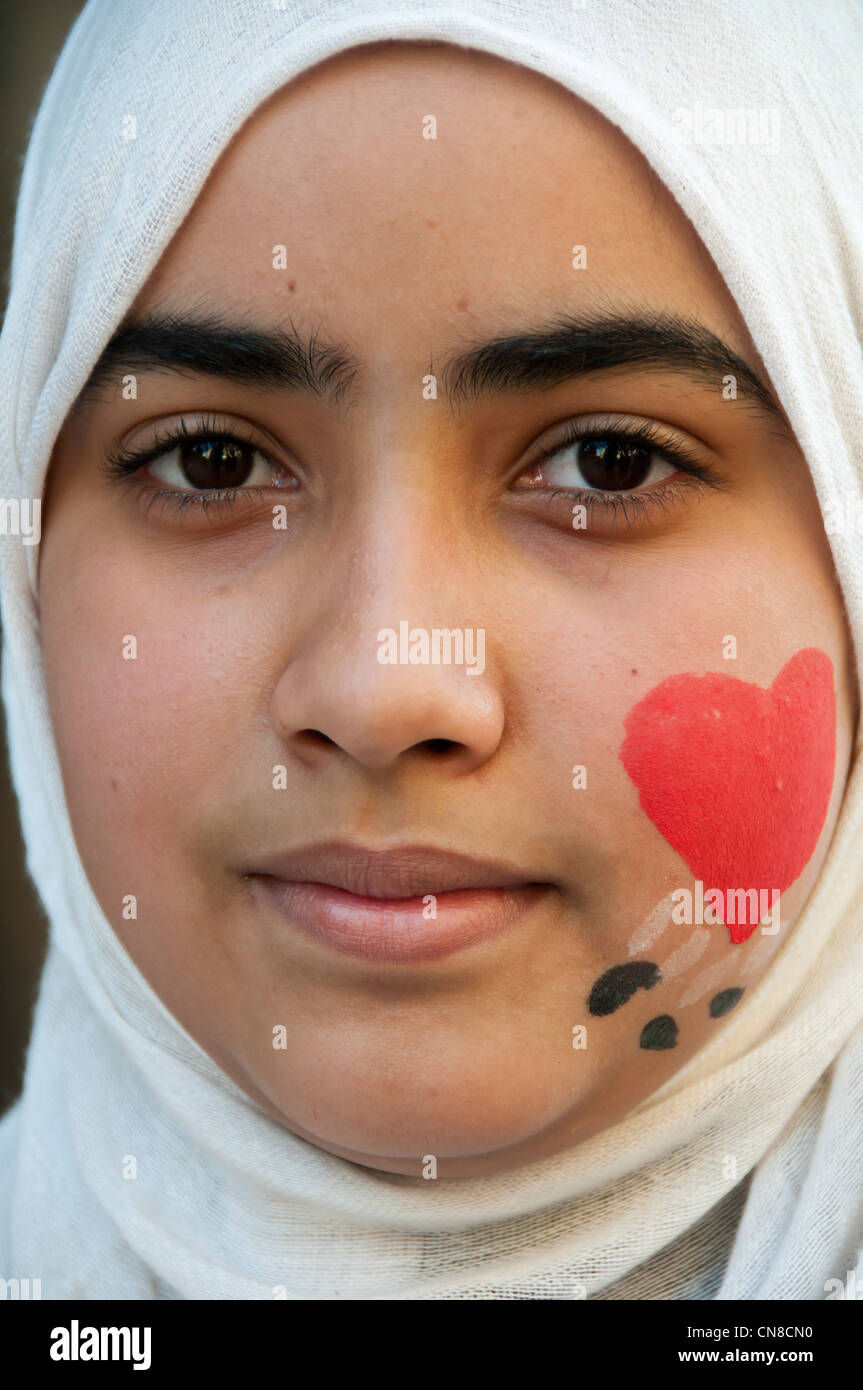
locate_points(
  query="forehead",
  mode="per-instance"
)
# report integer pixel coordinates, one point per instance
(422, 192)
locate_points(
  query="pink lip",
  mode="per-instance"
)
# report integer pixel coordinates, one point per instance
(393, 930)
(374, 904)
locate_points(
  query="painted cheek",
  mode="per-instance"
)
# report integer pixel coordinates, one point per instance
(738, 778)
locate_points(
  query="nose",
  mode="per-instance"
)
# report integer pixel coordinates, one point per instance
(390, 661)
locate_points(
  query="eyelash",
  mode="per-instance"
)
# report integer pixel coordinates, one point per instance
(650, 435)
(122, 464)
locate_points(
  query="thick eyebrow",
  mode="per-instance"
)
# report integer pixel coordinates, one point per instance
(580, 347)
(536, 360)
(210, 346)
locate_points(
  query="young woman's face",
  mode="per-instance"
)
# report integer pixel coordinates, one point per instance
(234, 719)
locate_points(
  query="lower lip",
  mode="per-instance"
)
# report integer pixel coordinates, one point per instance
(394, 930)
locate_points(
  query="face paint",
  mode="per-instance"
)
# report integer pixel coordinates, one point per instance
(738, 778)
(651, 929)
(705, 982)
(724, 1002)
(659, 1033)
(686, 955)
(619, 984)
(759, 955)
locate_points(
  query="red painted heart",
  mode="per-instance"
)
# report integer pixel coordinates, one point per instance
(738, 778)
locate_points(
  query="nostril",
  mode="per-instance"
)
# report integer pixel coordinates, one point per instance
(314, 736)
(440, 745)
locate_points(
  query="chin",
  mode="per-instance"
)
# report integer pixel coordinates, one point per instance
(478, 1127)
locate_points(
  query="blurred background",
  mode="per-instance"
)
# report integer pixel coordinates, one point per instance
(31, 37)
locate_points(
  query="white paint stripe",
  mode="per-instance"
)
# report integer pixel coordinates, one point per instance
(652, 927)
(705, 983)
(760, 953)
(685, 955)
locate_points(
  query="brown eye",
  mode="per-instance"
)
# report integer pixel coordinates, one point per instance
(213, 464)
(602, 463)
(614, 464)
(216, 463)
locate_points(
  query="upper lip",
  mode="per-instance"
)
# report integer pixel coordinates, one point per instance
(404, 872)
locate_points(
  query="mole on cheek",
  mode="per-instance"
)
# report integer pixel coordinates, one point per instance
(735, 777)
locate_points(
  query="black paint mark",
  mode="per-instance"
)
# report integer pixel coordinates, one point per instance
(659, 1033)
(619, 984)
(724, 1002)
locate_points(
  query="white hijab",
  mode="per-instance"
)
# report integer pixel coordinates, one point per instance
(226, 1202)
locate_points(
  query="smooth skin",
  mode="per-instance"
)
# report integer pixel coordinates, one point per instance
(257, 647)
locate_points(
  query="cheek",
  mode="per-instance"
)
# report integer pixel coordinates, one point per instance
(738, 778)
(143, 686)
